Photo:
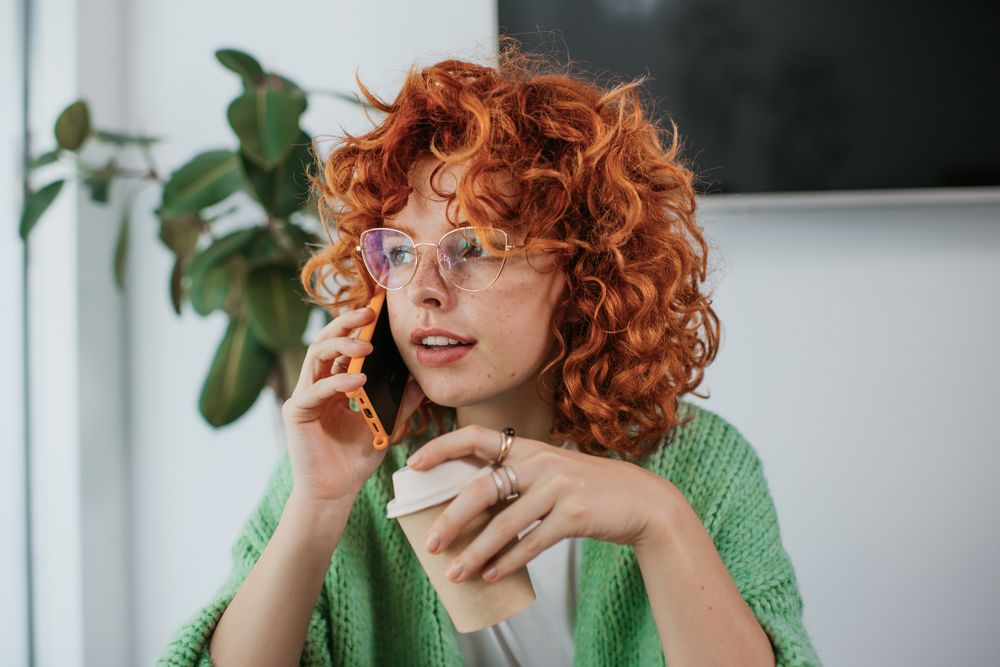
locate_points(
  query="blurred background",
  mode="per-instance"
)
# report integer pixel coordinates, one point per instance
(851, 199)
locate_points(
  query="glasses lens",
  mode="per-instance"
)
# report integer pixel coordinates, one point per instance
(467, 259)
(464, 256)
(389, 256)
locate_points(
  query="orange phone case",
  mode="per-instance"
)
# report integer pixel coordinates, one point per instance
(380, 435)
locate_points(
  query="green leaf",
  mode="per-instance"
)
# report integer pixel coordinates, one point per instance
(73, 126)
(267, 122)
(220, 250)
(177, 284)
(280, 83)
(277, 313)
(302, 239)
(284, 189)
(283, 247)
(119, 139)
(238, 373)
(220, 286)
(35, 206)
(265, 250)
(209, 289)
(121, 249)
(100, 183)
(207, 179)
(243, 64)
(181, 234)
(45, 159)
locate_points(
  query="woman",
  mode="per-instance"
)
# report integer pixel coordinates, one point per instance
(653, 515)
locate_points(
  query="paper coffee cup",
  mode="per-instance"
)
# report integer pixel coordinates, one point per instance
(420, 497)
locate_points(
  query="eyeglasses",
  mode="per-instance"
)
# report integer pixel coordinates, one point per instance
(391, 257)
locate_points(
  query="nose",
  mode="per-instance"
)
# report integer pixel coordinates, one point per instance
(428, 288)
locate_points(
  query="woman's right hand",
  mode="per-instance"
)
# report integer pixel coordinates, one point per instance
(330, 445)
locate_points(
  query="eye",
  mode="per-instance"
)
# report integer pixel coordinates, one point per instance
(397, 255)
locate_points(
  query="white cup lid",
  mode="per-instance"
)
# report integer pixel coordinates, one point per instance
(415, 490)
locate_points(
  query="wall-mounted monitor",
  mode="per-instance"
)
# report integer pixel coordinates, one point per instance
(810, 95)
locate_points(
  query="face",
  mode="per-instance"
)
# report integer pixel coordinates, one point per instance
(509, 321)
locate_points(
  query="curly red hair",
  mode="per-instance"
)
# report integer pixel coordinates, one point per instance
(595, 185)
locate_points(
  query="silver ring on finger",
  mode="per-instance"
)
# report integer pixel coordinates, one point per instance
(512, 478)
(499, 482)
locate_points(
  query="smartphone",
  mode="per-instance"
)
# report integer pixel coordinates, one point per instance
(380, 398)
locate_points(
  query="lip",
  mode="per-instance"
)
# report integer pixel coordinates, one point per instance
(418, 335)
(442, 357)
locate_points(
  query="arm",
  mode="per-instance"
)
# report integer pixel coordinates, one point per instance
(264, 535)
(746, 539)
(700, 616)
(267, 620)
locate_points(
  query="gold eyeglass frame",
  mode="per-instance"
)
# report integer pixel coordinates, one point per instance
(416, 265)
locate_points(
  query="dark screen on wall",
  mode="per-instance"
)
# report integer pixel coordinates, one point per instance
(797, 96)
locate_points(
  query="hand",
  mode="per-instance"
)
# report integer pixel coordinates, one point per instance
(574, 495)
(330, 445)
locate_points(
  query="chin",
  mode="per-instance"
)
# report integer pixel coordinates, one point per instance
(448, 394)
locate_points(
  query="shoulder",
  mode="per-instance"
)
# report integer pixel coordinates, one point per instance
(702, 434)
(705, 457)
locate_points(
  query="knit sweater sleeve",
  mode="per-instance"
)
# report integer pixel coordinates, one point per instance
(748, 540)
(189, 644)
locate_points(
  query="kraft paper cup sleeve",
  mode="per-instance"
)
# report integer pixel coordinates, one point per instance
(474, 603)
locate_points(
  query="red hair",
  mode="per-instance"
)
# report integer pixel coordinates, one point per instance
(595, 185)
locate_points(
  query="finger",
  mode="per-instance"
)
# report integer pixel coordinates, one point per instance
(340, 327)
(469, 440)
(494, 541)
(475, 498)
(344, 324)
(546, 532)
(303, 405)
(320, 357)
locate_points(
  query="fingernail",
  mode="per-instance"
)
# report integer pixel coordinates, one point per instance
(455, 571)
(416, 458)
(490, 574)
(433, 540)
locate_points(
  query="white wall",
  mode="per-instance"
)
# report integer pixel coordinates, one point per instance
(855, 358)
(859, 359)
(13, 572)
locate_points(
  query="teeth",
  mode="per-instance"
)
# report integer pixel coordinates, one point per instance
(439, 340)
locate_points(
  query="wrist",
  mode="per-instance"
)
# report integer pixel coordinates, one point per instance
(315, 520)
(659, 531)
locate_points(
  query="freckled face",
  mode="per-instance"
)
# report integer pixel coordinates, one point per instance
(510, 321)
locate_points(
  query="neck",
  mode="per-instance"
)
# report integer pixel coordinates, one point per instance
(520, 408)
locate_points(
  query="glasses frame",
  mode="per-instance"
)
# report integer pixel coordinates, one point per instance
(416, 265)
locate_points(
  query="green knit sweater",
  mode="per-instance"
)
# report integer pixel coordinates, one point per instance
(377, 607)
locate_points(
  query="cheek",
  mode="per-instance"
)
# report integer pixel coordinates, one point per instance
(519, 336)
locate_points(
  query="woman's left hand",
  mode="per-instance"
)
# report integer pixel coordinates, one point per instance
(574, 495)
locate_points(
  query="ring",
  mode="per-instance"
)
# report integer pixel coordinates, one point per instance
(499, 483)
(511, 477)
(506, 440)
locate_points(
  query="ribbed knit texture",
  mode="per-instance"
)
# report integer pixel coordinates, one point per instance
(377, 607)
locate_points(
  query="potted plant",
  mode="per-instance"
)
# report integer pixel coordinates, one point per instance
(252, 273)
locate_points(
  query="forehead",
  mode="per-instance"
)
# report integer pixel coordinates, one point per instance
(425, 211)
